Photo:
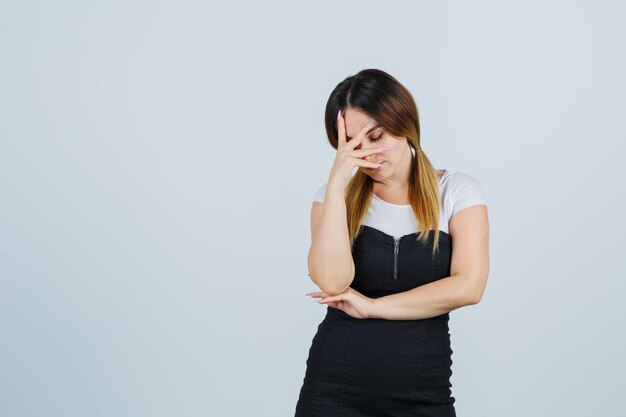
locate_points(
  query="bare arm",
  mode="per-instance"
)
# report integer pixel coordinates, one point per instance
(466, 284)
(330, 257)
(330, 262)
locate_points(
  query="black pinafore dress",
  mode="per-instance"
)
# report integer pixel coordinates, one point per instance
(378, 367)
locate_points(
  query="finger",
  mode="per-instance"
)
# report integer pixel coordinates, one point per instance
(365, 164)
(334, 304)
(356, 141)
(360, 153)
(317, 294)
(341, 129)
(337, 297)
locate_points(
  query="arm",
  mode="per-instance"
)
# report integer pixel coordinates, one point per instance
(469, 269)
(330, 262)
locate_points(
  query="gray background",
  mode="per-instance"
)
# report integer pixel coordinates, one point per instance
(158, 162)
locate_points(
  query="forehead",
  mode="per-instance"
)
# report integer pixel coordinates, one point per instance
(355, 121)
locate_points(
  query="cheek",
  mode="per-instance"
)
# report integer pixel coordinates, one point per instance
(392, 157)
(393, 153)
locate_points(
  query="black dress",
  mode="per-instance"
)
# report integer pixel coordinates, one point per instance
(379, 367)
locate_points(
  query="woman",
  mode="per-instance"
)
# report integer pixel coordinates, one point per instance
(395, 248)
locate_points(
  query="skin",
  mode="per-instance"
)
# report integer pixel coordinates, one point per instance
(391, 181)
(468, 228)
(330, 260)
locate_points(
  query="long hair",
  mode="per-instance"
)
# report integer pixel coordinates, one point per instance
(382, 97)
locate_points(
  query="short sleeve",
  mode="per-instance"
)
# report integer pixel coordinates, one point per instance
(319, 194)
(468, 191)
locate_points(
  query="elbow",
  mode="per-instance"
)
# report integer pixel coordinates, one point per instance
(472, 286)
(332, 285)
(475, 296)
(332, 279)
(471, 294)
(474, 299)
(334, 289)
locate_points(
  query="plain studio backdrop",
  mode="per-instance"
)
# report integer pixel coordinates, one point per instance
(158, 162)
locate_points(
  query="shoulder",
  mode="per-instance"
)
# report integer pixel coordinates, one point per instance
(462, 179)
(464, 190)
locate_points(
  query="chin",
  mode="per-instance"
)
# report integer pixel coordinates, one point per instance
(377, 175)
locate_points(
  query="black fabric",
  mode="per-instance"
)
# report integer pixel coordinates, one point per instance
(379, 367)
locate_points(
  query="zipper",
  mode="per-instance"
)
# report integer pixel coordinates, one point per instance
(396, 243)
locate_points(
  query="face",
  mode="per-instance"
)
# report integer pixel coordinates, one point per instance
(396, 159)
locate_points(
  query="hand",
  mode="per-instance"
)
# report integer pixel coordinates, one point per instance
(347, 157)
(350, 302)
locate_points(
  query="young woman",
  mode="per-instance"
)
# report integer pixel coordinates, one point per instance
(395, 248)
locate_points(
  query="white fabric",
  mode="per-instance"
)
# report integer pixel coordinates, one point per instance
(457, 191)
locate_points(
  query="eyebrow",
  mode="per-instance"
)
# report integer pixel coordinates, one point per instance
(369, 131)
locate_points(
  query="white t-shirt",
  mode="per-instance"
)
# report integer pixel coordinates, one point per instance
(457, 191)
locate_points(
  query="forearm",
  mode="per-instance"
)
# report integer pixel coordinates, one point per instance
(429, 300)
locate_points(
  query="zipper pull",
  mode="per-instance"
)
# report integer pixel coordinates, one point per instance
(396, 243)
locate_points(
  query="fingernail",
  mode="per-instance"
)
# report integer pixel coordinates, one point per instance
(339, 114)
(381, 148)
